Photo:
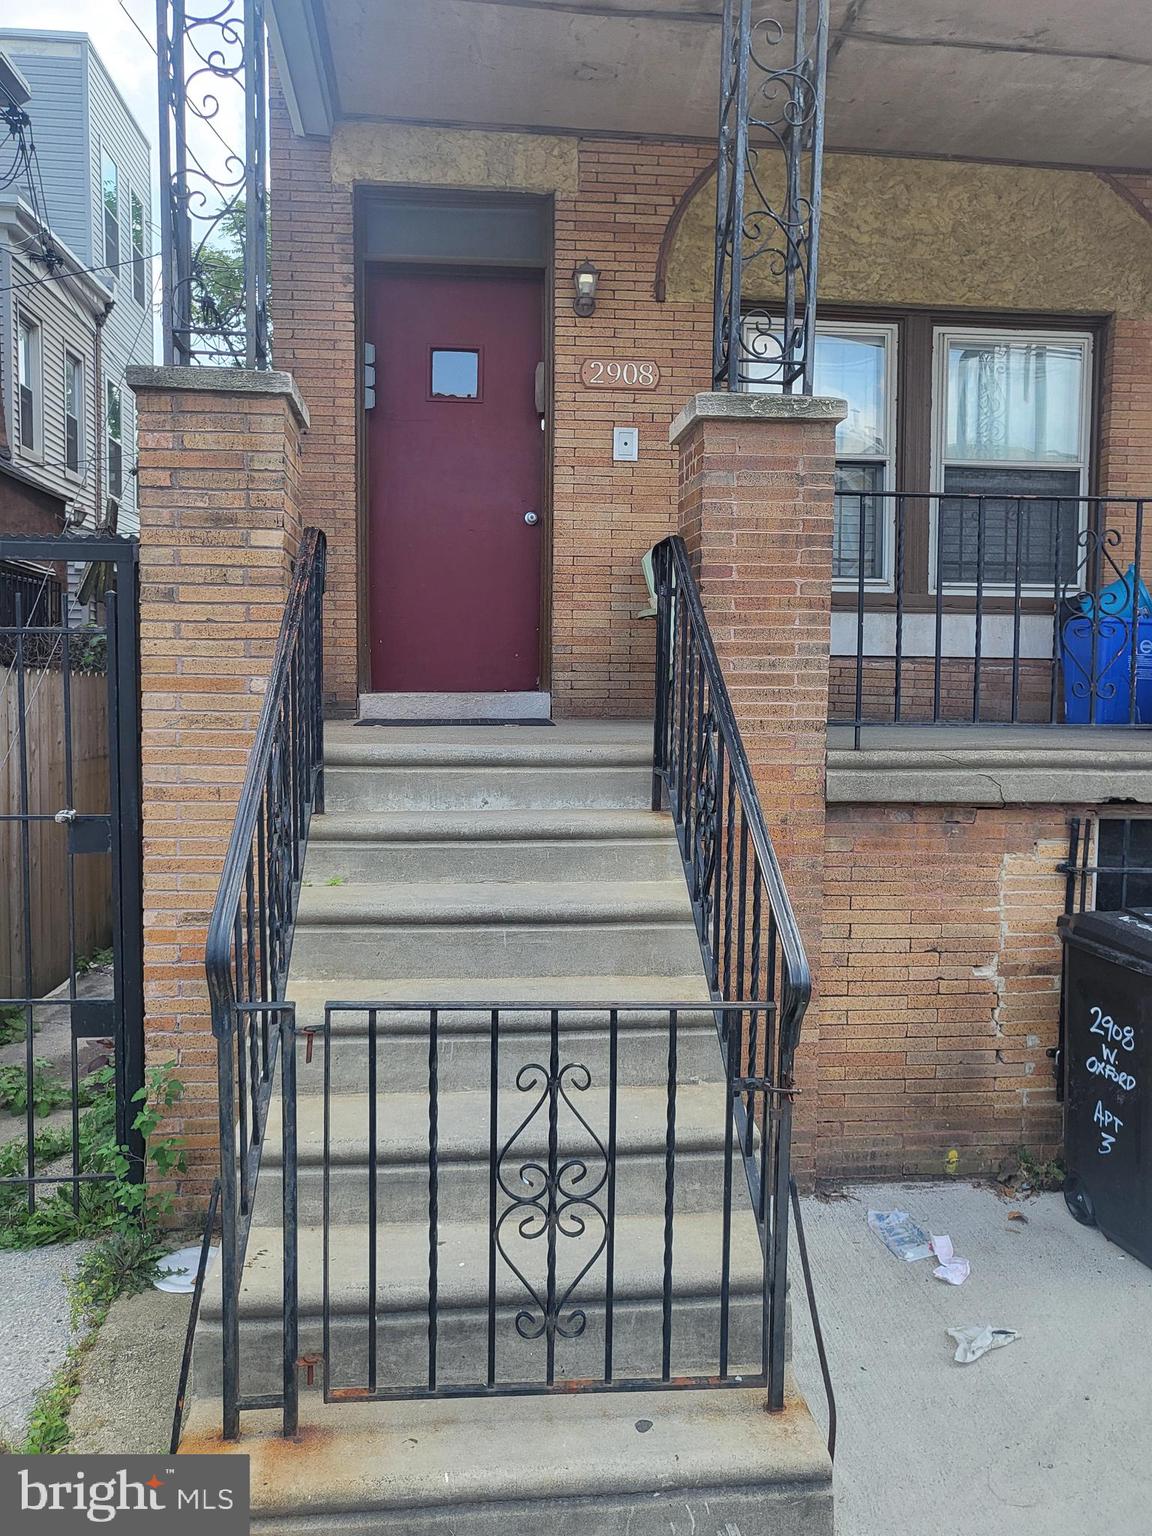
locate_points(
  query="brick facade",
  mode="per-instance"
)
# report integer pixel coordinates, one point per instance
(219, 496)
(313, 278)
(939, 988)
(756, 514)
(604, 515)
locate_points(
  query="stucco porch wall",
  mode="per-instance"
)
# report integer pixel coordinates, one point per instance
(896, 231)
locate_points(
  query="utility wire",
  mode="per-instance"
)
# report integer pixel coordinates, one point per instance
(55, 277)
(207, 121)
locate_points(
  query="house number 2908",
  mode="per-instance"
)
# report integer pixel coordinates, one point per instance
(619, 373)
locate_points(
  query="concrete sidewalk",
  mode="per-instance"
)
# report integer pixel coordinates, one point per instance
(1046, 1437)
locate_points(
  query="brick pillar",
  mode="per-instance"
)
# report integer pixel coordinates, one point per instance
(756, 513)
(219, 527)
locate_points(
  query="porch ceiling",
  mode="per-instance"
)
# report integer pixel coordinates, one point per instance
(1044, 81)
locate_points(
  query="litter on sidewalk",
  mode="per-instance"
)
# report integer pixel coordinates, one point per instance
(900, 1235)
(950, 1268)
(177, 1272)
(978, 1339)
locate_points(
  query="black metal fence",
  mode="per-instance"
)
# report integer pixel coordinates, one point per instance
(29, 595)
(961, 609)
(70, 904)
(250, 944)
(582, 1235)
(749, 938)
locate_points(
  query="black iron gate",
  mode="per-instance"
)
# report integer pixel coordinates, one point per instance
(71, 1013)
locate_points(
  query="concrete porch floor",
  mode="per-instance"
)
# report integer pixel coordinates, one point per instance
(1041, 1438)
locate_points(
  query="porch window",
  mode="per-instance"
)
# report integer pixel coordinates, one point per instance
(1012, 417)
(855, 363)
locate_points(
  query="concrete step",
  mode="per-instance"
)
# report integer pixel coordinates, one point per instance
(465, 1036)
(672, 1463)
(463, 1290)
(463, 1145)
(483, 929)
(575, 744)
(553, 845)
(431, 786)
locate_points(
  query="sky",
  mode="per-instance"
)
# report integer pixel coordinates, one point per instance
(132, 64)
(125, 54)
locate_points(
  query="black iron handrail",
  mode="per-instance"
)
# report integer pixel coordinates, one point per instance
(249, 942)
(749, 937)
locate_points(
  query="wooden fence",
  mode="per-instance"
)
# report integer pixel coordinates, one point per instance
(47, 885)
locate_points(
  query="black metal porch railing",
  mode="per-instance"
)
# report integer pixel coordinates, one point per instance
(248, 951)
(749, 938)
(966, 609)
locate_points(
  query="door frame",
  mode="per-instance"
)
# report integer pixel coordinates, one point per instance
(463, 202)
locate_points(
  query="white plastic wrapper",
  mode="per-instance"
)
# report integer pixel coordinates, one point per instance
(177, 1271)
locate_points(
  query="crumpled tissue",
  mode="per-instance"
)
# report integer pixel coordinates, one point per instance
(950, 1268)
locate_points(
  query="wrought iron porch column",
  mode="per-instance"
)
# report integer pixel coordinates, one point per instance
(771, 116)
(213, 192)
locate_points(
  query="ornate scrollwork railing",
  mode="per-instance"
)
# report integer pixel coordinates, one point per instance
(212, 71)
(768, 192)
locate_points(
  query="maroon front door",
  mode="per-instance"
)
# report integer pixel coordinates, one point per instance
(454, 472)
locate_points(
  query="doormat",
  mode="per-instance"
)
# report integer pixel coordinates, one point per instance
(421, 723)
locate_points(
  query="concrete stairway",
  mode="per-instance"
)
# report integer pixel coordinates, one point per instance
(484, 866)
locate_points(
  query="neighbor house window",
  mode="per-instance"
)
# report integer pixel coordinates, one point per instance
(139, 280)
(73, 412)
(114, 433)
(1011, 421)
(110, 192)
(29, 380)
(857, 364)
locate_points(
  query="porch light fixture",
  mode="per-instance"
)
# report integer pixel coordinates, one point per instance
(585, 278)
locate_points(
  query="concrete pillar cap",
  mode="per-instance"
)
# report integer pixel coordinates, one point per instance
(219, 381)
(743, 405)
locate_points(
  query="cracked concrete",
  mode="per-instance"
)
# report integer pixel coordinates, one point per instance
(988, 765)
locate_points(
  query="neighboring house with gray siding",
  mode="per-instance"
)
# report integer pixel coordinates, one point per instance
(52, 318)
(96, 167)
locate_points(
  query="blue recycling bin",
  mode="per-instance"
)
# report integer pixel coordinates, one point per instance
(1096, 660)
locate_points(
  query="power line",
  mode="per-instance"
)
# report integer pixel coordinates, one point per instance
(207, 121)
(56, 277)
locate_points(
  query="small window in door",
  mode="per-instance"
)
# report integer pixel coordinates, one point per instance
(455, 374)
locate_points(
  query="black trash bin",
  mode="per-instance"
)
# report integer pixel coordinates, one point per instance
(1107, 1070)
